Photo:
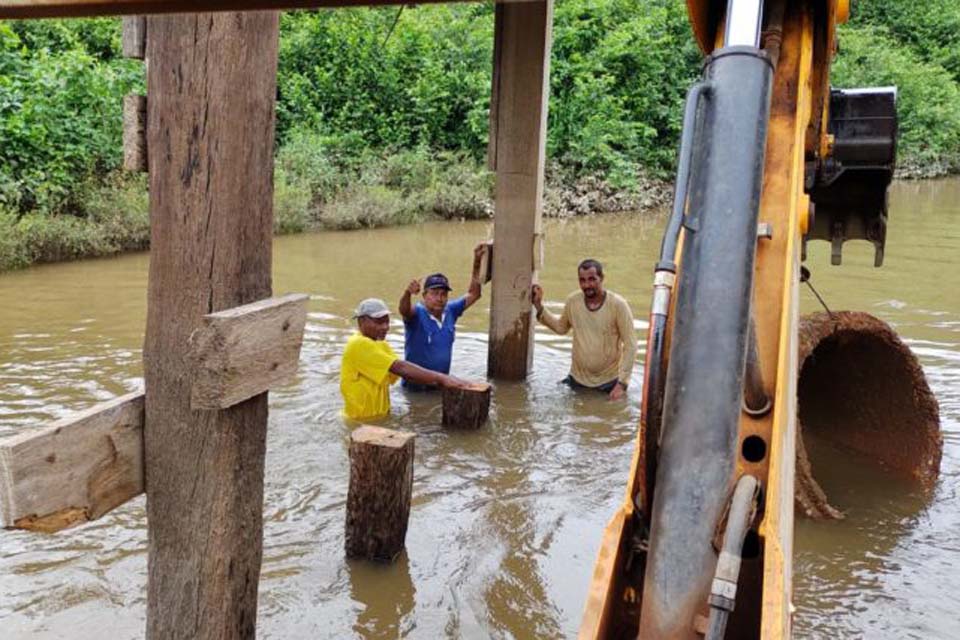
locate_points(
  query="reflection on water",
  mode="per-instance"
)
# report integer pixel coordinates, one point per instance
(505, 521)
(385, 594)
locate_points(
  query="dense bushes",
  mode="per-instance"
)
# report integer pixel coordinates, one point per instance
(382, 113)
(59, 113)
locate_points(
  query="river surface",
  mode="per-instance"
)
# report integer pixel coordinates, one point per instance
(506, 521)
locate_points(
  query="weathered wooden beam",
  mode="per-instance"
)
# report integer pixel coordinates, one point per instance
(378, 499)
(210, 127)
(75, 470)
(19, 9)
(134, 37)
(242, 352)
(135, 133)
(522, 44)
(466, 408)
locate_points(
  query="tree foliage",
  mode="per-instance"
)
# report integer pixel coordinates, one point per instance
(367, 83)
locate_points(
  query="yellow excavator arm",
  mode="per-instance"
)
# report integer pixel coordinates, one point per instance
(770, 157)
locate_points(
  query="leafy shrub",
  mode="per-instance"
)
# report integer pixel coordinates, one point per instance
(367, 206)
(292, 204)
(13, 254)
(60, 122)
(931, 29)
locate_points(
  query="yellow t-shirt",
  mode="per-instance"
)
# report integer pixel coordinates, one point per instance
(365, 377)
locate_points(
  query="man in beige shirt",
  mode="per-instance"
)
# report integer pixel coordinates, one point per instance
(604, 343)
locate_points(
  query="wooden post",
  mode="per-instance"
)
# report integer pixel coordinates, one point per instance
(212, 86)
(135, 133)
(518, 138)
(134, 37)
(378, 500)
(466, 408)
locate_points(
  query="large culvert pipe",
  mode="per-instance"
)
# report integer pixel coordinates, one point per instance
(862, 389)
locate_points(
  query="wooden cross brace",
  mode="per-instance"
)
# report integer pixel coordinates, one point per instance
(79, 468)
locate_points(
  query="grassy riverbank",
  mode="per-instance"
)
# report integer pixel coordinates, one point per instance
(314, 193)
(389, 125)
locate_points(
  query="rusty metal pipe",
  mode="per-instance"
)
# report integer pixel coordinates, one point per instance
(861, 389)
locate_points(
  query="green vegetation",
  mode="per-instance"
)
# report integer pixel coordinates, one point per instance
(382, 114)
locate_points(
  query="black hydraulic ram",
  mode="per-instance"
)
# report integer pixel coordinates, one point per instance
(704, 382)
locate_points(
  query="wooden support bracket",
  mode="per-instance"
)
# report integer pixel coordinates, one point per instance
(135, 133)
(242, 352)
(75, 470)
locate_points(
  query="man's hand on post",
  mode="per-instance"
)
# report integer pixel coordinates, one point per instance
(536, 297)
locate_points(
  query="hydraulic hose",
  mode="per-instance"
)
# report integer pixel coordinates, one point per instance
(668, 247)
(664, 276)
(723, 591)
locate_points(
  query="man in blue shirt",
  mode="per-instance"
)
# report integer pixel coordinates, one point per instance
(430, 325)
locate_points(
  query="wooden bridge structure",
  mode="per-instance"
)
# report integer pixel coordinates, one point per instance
(216, 341)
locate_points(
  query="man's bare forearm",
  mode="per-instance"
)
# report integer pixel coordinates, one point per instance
(417, 374)
(406, 309)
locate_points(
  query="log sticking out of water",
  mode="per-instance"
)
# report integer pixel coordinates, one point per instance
(466, 408)
(378, 500)
(861, 388)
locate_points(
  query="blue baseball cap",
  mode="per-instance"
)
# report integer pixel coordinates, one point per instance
(437, 281)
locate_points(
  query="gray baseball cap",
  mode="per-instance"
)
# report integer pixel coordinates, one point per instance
(373, 308)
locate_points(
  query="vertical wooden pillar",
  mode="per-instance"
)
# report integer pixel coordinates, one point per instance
(134, 133)
(133, 39)
(212, 86)
(517, 140)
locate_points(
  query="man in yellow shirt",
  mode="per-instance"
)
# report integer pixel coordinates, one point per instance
(604, 342)
(370, 366)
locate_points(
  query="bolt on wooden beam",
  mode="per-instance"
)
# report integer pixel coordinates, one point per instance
(75, 470)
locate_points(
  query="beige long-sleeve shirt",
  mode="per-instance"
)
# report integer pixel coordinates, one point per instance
(604, 342)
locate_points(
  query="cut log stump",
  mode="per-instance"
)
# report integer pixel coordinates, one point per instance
(466, 408)
(378, 500)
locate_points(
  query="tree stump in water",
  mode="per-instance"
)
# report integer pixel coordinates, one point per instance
(466, 408)
(378, 500)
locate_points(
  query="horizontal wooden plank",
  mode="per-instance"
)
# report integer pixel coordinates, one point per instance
(75, 470)
(242, 352)
(17, 9)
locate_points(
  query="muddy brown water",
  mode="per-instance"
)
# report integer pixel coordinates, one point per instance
(505, 521)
